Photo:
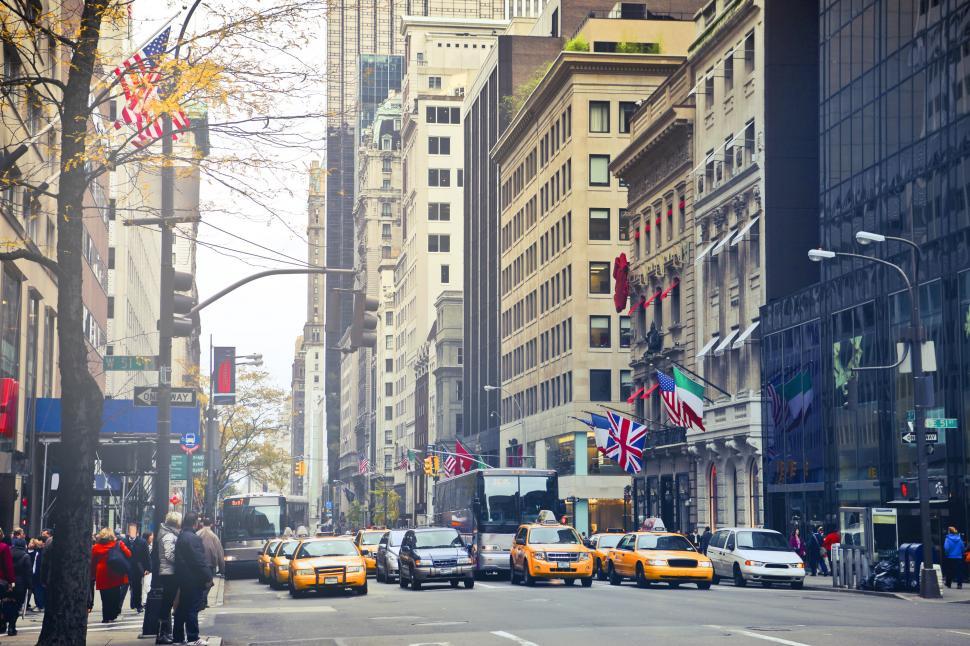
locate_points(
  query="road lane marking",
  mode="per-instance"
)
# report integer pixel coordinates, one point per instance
(518, 640)
(957, 632)
(393, 617)
(285, 610)
(486, 585)
(441, 623)
(748, 633)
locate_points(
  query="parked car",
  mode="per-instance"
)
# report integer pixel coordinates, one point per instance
(265, 556)
(434, 554)
(759, 555)
(387, 555)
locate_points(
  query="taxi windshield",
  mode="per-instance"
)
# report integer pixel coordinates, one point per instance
(666, 543)
(553, 536)
(327, 548)
(371, 538)
(442, 538)
(287, 549)
(608, 540)
(271, 547)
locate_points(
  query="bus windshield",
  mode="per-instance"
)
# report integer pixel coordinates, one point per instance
(509, 501)
(253, 519)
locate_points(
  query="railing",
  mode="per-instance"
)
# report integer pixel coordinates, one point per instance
(632, 12)
(666, 437)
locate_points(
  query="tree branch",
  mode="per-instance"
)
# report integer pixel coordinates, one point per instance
(33, 256)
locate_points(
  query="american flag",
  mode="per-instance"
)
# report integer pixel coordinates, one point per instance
(404, 463)
(668, 395)
(363, 464)
(451, 462)
(629, 438)
(139, 77)
(778, 407)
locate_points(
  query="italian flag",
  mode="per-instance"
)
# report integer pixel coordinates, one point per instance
(691, 397)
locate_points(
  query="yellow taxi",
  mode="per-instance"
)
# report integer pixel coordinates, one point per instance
(279, 564)
(601, 544)
(548, 549)
(265, 555)
(658, 557)
(327, 563)
(367, 541)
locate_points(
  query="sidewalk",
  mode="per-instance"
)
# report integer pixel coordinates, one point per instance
(123, 632)
(950, 595)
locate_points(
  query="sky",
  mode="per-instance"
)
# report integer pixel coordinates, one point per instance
(267, 315)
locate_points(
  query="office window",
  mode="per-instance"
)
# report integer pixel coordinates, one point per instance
(388, 412)
(434, 82)
(386, 210)
(439, 243)
(599, 170)
(439, 177)
(729, 72)
(624, 219)
(385, 231)
(599, 332)
(10, 332)
(439, 211)
(599, 116)
(625, 332)
(387, 462)
(709, 89)
(749, 52)
(439, 145)
(388, 342)
(600, 386)
(461, 177)
(388, 365)
(599, 224)
(445, 274)
(599, 278)
(388, 389)
(627, 108)
(626, 384)
(386, 165)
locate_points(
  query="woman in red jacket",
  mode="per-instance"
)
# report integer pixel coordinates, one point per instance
(106, 579)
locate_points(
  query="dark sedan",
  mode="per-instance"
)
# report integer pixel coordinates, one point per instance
(432, 555)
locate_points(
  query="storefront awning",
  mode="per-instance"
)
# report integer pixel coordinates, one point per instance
(707, 250)
(720, 245)
(744, 336)
(743, 231)
(707, 347)
(723, 346)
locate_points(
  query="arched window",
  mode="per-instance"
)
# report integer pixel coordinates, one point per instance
(754, 493)
(712, 496)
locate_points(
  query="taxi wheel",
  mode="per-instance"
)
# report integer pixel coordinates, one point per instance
(454, 583)
(361, 591)
(614, 577)
(598, 571)
(706, 585)
(716, 580)
(738, 577)
(415, 584)
(513, 575)
(296, 594)
(527, 578)
(569, 581)
(381, 578)
(469, 584)
(797, 585)
(674, 584)
(587, 582)
(641, 577)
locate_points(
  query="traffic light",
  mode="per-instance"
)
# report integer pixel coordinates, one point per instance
(435, 466)
(24, 510)
(363, 330)
(182, 304)
(299, 469)
(909, 488)
(429, 466)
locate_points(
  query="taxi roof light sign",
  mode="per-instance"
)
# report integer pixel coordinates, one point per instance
(546, 517)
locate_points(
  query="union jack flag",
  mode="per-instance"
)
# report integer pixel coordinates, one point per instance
(363, 464)
(668, 394)
(139, 77)
(628, 437)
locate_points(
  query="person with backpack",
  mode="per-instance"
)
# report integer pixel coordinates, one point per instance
(163, 554)
(194, 575)
(22, 565)
(109, 564)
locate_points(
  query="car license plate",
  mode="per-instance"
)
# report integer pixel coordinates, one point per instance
(446, 570)
(330, 579)
(562, 565)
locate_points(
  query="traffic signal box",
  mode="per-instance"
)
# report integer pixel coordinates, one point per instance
(299, 469)
(432, 466)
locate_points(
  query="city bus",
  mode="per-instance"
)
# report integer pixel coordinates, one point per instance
(249, 520)
(487, 507)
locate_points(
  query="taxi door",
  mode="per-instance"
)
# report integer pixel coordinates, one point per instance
(518, 547)
(624, 558)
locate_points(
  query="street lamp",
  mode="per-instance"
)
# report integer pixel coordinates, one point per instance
(929, 584)
(518, 406)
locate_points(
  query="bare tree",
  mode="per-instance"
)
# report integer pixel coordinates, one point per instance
(241, 64)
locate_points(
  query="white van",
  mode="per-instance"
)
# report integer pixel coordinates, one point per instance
(759, 555)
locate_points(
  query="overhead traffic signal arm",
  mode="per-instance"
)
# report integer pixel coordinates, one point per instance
(363, 330)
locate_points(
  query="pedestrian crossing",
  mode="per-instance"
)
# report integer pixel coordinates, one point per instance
(94, 625)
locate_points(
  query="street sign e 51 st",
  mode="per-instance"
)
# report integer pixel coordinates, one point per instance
(941, 422)
(129, 363)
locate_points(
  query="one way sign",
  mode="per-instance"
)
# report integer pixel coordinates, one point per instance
(148, 396)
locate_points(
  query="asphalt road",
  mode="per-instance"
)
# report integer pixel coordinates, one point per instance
(496, 613)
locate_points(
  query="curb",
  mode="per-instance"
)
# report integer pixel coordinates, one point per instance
(872, 593)
(221, 592)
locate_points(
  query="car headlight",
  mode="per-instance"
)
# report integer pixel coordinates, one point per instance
(419, 563)
(800, 566)
(754, 563)
(284, 568)
(704, 564)
(304, 572)
(230, 558)
(583, 556)
(491, 548)
(657, 562)
(354, 569)
(539, 556)
(464, 561)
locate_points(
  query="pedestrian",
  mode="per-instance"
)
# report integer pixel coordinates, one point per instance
(146, 583)
(796, 543)
(8, 608)
(194, 576)
(832, 538)
(695, 537)
(167, 538)
(33, 554)
(22, 567)
(214, 555)
(138, 565)
(38, 586)
(109, 564)
(953, 549)
(705, 540)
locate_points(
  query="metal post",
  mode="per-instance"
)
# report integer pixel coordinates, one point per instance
(43, 487)
(210, 439)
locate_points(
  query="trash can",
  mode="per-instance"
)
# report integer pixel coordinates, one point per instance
(915, 564)
(905, 566)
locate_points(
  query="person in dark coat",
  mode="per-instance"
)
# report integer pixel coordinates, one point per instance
(8, 577)
(138, 565)
(194, 575)
(37, 585)
(21, 580)
(705, 540)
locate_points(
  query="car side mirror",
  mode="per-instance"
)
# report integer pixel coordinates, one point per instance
(520, 541)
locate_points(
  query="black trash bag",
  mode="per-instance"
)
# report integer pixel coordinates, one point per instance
(885, 566)
(885, 583)
(869, 582)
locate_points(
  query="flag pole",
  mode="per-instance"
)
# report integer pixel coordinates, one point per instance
(694, 374)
